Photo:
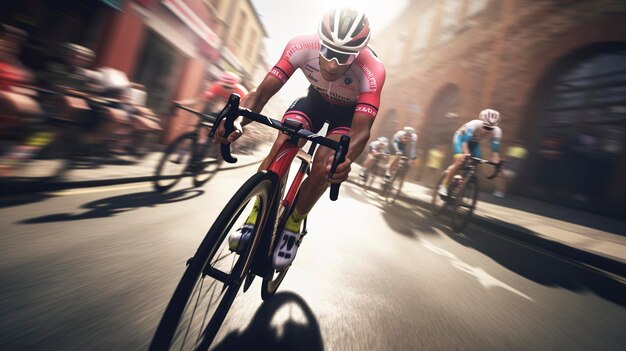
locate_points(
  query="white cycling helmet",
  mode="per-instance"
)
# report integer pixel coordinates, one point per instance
(345, 29)
(409, 130)
(383, 139)
(490, 118)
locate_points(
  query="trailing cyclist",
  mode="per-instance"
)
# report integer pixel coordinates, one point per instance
(378, 148)
(346, 80)
(404, 143)
(466, 142)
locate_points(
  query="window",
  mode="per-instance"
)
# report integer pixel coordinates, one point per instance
(240, 29)
(424, 29)
(450, 19)
(252, 37)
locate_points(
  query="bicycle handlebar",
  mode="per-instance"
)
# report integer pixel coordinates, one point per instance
(232, 111)
(203, 116)
(498, 165)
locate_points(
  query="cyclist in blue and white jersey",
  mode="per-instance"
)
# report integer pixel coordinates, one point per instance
(466, 142)
(403, 143)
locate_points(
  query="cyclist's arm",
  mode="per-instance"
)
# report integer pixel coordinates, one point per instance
(495, 145)
(257, 98)
(359, 134)
(413, 147)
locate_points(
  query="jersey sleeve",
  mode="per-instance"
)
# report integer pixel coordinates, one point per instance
(374, 72)
(292, 57)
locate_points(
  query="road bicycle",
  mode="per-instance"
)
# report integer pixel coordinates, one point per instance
(392, 188)
(188, 155)
(214, 274)
(462, 192)
(367, 181)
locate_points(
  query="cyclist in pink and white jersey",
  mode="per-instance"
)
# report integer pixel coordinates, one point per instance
(346, 80)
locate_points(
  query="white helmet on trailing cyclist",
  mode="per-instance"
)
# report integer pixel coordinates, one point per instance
(229, 78)
(409, 130)
(343, 33)
(383, 139)
(490, 118)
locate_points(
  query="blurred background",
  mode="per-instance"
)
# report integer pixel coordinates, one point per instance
(554, 69)
(90, 253)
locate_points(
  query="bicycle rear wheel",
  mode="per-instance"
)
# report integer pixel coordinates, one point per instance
(465, 204)
(174, 162)
(208, 164)
(438, 203)
(214, 274)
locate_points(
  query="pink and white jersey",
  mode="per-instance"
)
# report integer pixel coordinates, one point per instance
(360, 85)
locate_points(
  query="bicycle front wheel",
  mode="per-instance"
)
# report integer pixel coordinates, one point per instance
(174, 162)
(465, 204)
(214, 274)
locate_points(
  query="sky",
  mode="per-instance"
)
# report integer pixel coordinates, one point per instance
(285, 19)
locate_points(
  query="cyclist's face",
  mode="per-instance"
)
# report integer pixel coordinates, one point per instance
(330, 70)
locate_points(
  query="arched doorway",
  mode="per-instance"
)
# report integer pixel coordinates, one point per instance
(441, 122)
(580, 133)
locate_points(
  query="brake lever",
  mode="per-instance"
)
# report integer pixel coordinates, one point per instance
(340, 157)
(228, 114)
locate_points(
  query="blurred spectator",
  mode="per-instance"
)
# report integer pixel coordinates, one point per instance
(514, 156)
(213, 99)
(434, 163)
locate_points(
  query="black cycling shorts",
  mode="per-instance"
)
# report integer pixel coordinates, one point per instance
(312, 111)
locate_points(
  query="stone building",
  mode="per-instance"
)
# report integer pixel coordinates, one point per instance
(556, 70)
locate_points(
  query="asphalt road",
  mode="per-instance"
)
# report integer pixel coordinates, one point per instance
(92, 269)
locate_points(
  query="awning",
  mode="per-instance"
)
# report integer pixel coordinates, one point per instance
(195, 23)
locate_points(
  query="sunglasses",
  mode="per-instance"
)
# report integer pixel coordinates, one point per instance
(487, 128)
(342, 58)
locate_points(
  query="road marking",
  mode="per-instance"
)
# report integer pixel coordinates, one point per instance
(97, 189)
(484, 278)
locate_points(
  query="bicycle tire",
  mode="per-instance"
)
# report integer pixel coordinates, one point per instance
(394, 188)
(163, 182)
(209, 164)
(469, 191)
(262, 186)
(271, 282)
(437, 203)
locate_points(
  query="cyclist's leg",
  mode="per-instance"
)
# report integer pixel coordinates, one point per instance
(457, 161)
(299, 111)
(316, 183)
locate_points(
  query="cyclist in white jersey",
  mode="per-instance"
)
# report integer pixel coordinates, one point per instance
(404, 143)
(377, 147)
(466, 142)
(346, 80)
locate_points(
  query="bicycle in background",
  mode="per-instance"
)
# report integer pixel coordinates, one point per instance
(367, 180)
(462, 192)
(392, 188)
(214, 274)
(188, 155)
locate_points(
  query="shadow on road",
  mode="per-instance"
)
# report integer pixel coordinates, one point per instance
(285, 322)
(111, 206)
(540, 266)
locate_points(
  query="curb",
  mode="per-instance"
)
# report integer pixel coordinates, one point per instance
(533, 239)
(26, 187)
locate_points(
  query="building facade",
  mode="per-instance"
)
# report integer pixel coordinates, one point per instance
(556, 70)
(175, 48)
